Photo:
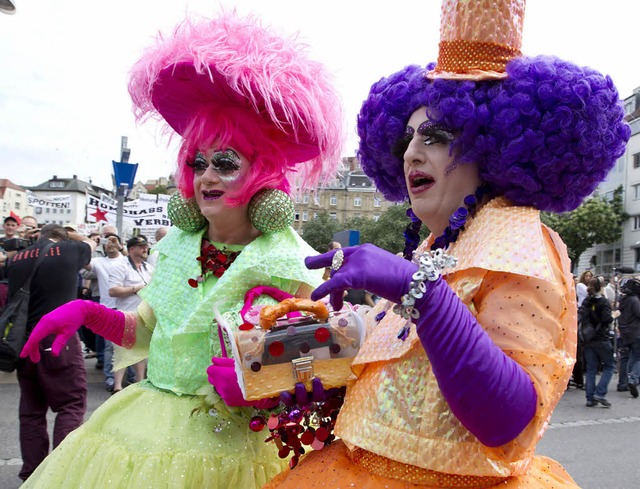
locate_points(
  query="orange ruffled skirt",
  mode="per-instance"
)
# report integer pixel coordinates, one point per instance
(332, 467)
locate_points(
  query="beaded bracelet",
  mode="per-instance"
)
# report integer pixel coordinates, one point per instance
(430, 266)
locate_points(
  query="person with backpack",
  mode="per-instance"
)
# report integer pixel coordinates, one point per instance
(629, 327)
(595, 311)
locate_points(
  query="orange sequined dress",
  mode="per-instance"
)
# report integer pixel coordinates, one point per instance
(396, 428)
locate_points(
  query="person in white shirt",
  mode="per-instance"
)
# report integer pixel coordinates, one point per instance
(161, 232)
(100, 267)
(126, 279)
(581, 287)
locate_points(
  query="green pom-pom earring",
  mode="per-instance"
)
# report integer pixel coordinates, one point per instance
(271, 211)
(185, 213)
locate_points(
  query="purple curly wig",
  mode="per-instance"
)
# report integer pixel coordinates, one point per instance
(545, 136)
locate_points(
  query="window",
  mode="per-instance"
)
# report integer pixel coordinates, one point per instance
(636, 223)
(636, 160)
(376, 217)
(357, 201)
(305, 216)
(315, 215)
(333, 215)
(636, 191)
(297, 218)
(305, 199)
(54, 210)
(377, 202)
(55, 184)
(297, 199)
(333, 200)
(68, 211)
(47, 210)
(17, 205)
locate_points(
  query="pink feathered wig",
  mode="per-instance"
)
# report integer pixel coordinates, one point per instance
(232, 82)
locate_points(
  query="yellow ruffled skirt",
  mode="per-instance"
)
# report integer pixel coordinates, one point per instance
(144, 438)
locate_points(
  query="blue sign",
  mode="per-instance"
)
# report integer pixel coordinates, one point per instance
(125, 173)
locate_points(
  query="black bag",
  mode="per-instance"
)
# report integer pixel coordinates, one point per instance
(586, 329)
(13, 321)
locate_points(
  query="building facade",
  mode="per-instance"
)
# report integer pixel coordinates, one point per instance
(625, 253)
(350, 194)
(13, 198)
(71, 197)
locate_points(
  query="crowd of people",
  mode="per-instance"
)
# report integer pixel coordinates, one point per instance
(612, 306)
(471, 340)
(97, 267)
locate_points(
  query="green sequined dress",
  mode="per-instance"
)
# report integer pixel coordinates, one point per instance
(172, 430)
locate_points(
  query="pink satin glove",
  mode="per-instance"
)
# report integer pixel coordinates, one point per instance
(65, 320)
(222, 376)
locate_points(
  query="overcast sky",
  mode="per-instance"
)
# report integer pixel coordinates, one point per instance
(63, 99)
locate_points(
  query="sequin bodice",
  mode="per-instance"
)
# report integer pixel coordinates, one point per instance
(185, 335)
(507, 261)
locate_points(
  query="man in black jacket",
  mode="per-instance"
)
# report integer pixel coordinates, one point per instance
(58, 383)
(629, 327)
(596, 309)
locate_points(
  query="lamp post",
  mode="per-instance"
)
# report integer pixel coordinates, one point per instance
(125, 174)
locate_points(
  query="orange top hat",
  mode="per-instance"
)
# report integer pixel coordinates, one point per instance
(478, 38)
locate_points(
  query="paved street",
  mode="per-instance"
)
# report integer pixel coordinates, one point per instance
(597, 446)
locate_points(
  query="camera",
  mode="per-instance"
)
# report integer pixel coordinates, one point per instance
(15, 244)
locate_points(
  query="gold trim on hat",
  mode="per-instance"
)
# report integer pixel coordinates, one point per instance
(478, 38)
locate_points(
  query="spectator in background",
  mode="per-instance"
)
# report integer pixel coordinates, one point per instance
(101, 267)
(126, 279)
(90, 283)
(577, 377)
(608, 290)
(596, 310)
(57, 382)
(10, 227)
(581, 287)
(161, 232)
(356, 297)
(629, 327)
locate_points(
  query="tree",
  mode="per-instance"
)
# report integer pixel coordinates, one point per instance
(388, 232)
(595, 221)
(160, 189)
(319, 231)
(362, 224)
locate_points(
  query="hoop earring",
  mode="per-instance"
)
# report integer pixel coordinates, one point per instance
(185, 213)
(271, 211)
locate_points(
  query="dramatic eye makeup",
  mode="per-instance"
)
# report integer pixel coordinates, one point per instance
(431, 132)
(226, 163)
(435, 133)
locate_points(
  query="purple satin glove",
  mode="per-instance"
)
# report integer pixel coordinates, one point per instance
(491, 395)
(300, 395)
(364, 267)
(65, 320)
(222, 375)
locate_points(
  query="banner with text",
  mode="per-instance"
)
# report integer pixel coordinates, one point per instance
(48, 201)
(146, 214)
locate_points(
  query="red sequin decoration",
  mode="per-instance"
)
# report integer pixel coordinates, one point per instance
(246, 327)
(214, 261)
(322, 334)
(276, 349)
